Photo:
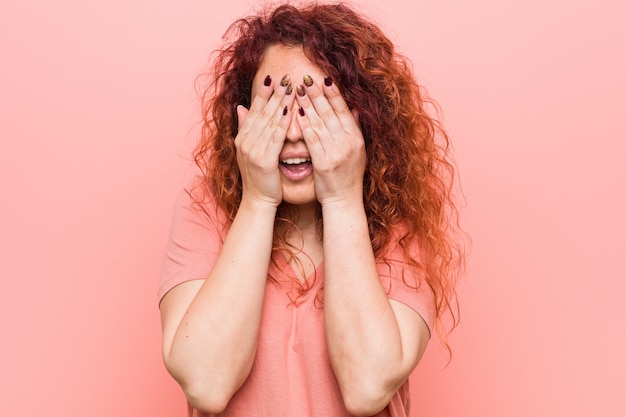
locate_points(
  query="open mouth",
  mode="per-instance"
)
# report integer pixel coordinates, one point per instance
(297, 168)
(296, 164)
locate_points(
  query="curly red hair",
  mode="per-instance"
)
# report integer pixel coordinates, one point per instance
(408, 178)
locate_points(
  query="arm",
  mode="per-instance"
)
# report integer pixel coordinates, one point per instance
(374, 343)
(210, 327)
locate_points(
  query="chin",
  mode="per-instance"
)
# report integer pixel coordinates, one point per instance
(300, 201)
(299, 196)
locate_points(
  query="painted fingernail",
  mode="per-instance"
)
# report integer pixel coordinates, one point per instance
(285, 111)
(301, 111)
(267, 81)
(328, 81)
(300, 90)
(308, 81)
(284, 81)
(289, 89)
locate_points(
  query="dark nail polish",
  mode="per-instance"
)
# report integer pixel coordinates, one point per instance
(328, 81)
(301, 111)
(267, 81)
(285, 111)
(284, 81)
(289, 89)
(308, 81)
(300, 90)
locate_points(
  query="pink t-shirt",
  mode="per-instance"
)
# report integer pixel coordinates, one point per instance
(291, 375)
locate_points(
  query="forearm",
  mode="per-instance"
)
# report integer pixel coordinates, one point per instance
(364, 339)
(213, 347)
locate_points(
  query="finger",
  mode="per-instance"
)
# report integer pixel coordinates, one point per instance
(311, 138)
(347, 118)
(242, 113)
(314, 128)
(265, 103)
(258, 131)
(262, 96)
(313, 96)
(278, 126)
(355, 114)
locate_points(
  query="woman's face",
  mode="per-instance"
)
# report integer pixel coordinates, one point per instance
(297, 179)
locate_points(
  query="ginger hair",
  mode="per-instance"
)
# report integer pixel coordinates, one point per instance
(408, 181)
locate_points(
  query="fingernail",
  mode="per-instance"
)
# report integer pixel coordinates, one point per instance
(308, 81)
(328, 81)
(267, 81)
(284, 81)
(289, 89)
(300, 90)
(301, 111)
(285, 111)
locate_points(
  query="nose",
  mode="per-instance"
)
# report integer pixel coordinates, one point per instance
(294, 134)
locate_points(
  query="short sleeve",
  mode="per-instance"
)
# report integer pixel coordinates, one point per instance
(195, 238)
(406, 283)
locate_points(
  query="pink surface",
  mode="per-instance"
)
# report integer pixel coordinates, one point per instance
(97, 107)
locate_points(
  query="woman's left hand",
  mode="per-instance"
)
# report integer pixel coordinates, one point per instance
(333, 137)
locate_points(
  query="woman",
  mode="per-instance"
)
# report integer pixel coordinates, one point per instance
(313, 255)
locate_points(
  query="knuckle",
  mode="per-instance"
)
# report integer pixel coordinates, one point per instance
(264, 114)
(326, 113)
(313, 92)
(242, 148)
(253, 112)
(358, 145)
(317, 124)
(343, 111)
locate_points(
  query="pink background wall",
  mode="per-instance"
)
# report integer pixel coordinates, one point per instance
(97, 108)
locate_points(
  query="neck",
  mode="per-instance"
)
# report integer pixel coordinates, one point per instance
(304, 217)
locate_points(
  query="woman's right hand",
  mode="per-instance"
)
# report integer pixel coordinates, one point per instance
(211, 368)
(261, 135)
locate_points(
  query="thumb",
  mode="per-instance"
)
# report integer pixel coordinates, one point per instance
(355, 114)
(242, 113)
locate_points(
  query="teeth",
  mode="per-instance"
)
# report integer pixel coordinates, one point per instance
(293, 161)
